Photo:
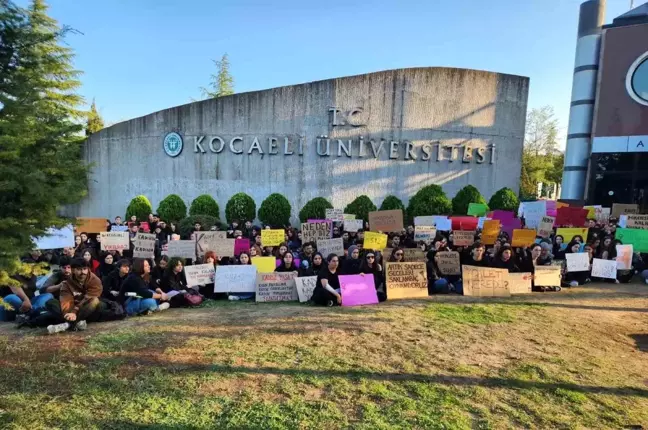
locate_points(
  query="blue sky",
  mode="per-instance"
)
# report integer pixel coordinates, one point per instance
(140, 56)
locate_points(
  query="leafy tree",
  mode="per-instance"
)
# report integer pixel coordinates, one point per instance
(429, 200)
(222, 83)
(141, 207)
(172, 208)
(94, 123)
(275, 211)
(467, 195)
(240, 207)
(204, 205)
(504, 199)
(315, 209)
(186, 226)
(392, 203)
(360, 207)
(40, 123)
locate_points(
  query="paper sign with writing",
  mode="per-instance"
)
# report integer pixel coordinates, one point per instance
(577, 262)
(409, 254)
(545, 228)
(637, 221)
(569, 233)
(547, 276)
(448, 262)
(482, 220)
(144, 246)
(374, 240)
(223, 247)
(264, 264)
(335, 215)
(477, 209)
(523, 237)
(358, 290)
(425, 220)
(490, 231)
(205, 241)
(485, 282)
(624, 257)
(424, 233)
(637, 238)
(406, 280)
(200, 274)
(56, 238)
(352, 225)
(241, 245)
(118, 228)
(386, 221)
(591, 211)
(603, 215)
(463, 238)
(520, 283)
(114, 240)
(533, 213)
(235, 279)
(90, 225)
(276, 287)
(331, 246)
(621, 209)
(623, 221)
(272, 237)
(305, 286)
(182, 249)
(348, 217)
(313, 231)
(604, 268)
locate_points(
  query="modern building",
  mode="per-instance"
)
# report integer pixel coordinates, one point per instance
(606, 158)
(382, 133)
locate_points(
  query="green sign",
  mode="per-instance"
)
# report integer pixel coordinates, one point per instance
(637, 238)
(477, 209)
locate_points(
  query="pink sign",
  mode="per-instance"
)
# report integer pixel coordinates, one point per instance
(241, 245)
(296, 260)
(551, 208)
(502, 215)
(509, 225)
(358, 290)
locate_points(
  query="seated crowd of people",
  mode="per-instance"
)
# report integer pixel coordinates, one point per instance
(91, 285)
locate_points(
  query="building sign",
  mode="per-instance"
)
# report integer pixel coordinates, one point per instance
(173, 144)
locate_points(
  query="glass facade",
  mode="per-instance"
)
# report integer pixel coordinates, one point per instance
(619, 178)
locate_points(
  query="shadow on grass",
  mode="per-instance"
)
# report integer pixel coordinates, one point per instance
(641, 341)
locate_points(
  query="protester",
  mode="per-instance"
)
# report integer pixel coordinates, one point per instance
(287, 263)
(327, 287)
(136, 293)
(112, 283)
(351, 264)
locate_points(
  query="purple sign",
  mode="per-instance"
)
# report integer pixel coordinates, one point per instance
(241, 245)
(502, 215)
(551, 208)
(509, 225)
(296, 260)
(358, 290)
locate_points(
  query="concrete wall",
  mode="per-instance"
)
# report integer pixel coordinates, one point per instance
(422, 107)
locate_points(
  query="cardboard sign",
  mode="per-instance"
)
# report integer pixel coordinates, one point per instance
(603, 215)
(200, 274)
(115, 241)
(223, 247)
(424, 233)
(118, 228)
(523, 237)
(463, 238)
(485, 282)
(571, 217)
(241, 245)
(578, 262)
(276, 287)
(448, 262)
(409, 254)
(490, 231)
(335, 215)
(547, 276)
(569, 233)
(264, 264)
(331, 246)
(182, 249)
(374, 240)
(90, 225)
(637, 238)
(352, 225)
(604, 268)
(206, 240)
(520, 283)
(55, 238)
(406, 280)
(305, 286)
(637, 221)
(235, 279)
(314, 231)
(144, 246)
(348, 217)
(358, 290)
(621, 209)
(545, 227)
(477, 209)
(624, 257)
(386, 221)
(272, 237)
(533, 213)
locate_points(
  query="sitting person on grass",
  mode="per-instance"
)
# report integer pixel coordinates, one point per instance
(136, 293)
(327, 288)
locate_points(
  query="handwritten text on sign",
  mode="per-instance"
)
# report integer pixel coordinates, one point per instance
(448, 262)
(305, 286)
(485, 282)
(144, 246)
(200, 274)
(114, 241)
(235, 279)
(313, 231)
(406, 280)
(386, 221)
(276, 287)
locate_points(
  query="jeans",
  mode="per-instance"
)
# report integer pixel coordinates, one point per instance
(136, 306)
(644, 275)
(38, 304)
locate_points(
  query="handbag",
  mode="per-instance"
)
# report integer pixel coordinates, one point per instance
(193, 298)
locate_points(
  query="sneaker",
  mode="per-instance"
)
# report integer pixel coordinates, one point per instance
(573, 284)
(164, 306)
(57, 328)
(330, 303)
(80, 326)
(646, 280)
(557, 289)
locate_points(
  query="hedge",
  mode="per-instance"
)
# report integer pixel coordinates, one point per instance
(240, 207)
(186, 226)
(429, 200)
(141, 207)
(504, 199)
(360, 207)
(204, 205)
(315, 209)
(172, 208)
(467, 195)
(275, 211)
(392, 203)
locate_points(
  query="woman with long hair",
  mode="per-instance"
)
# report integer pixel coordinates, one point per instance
(369, 266)
(574, 279)
(90, 260)
(397, 256)
(136, 294)
(327, 287)
(287, 263)
(106, 266)
(174, 283)
(504, 259)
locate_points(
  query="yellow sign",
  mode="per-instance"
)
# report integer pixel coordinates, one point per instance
(264, 264)
(490, 231)
(374, 240)
(272, 237)
(523, 237)
(569, 233)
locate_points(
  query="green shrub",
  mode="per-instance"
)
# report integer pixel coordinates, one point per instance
(172, 208)
(360, 207)
(315, 209)
(141, 207)
(392, 203)
(204, 205)
(467, 195)
(429, 200)
(504, 199)
(275, 211)
(240, 207)
(186, 226)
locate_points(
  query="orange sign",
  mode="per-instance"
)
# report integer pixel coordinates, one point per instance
(523, 237)
(90, 225)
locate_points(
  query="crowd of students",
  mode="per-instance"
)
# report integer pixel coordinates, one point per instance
(91, 285)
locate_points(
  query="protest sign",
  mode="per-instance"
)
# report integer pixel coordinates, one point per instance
(386, 221)
(502, 215)
(637, 238)
(624, 257)
(571, 217)
(348, 217)
(490, 231)
(118, 228)
(623, 221)
(604, 268)
(545, 227)
(55, 238)
(485, 282)
(442, 223)
(533, 213)
(235, 279)
(619, 209)
(241, 245)
(358, 290)
(603, 215)
(313, 231)
(578, 262)
(331, 246)
(374, 240)
(115, 240)
(477, 209)
(464, 223)
(272, 237)
(569, 233)
(425, 220)
(561, 205)
(463, 238)
(353, 225)
(424, 233)
(509, 225)
(448, 262)
(591, 211)
(264, 264)
(144, 246)
(223, 247)
(547, 276)
(205, 241)
(335, 215)
(305, 286)
(90, 225)
(200, 274)
(637, 221)
(523, 237)
(409, 254)
(182, 249)
(520, 283)
(481, 221)
(406, 280)
(276, 287)
(551, 208)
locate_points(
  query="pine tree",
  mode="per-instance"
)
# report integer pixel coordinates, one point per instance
(40, 139)
(95, 122)
(222, 83)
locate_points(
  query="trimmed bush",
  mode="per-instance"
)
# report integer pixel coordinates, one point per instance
(240, 207)
(275, 211)
(141, 207)
(504, 199)
(315, 209)
(360, 207)
(467, 195)
(429, 200)
(204, 205)
(392, 203)
(172, 208)
(186, 226)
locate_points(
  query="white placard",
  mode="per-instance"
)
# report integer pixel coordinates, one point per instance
(604, 268)
(335, 215)
(305, 286)
(276, 287)
(235, 279)
(443, 223)
(624, 257)
(182, 249)
(200, 274)
(56, 238)
(144, 246)
(331, 246)
(114, 240)
(520, 283)
(118, 228)
(424, 220)
(533, 213)
(424, 233)
(577, 262)
(353, 225)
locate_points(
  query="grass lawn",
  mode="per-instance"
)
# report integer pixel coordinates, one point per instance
(575, 359)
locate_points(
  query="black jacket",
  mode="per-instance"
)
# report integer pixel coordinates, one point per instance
(113, 282)
(134, 284)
